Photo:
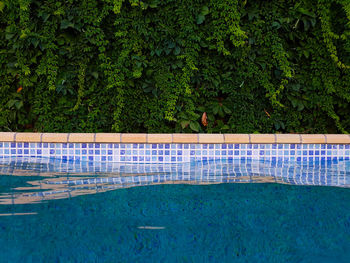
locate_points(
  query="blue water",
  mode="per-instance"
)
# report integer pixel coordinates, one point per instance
(237, 211)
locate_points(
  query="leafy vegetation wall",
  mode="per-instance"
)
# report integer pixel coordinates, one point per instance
(175, 66)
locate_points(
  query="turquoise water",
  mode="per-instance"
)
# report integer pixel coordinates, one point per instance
(57, 212)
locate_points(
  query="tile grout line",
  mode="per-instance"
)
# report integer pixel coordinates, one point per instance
(300, 139)
(325, 138)
(14, 136)
(275, 136)
(250, 141)
(95, 137)
(41, 138)
(68, 137)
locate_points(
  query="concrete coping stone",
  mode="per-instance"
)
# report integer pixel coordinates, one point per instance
(175, 138)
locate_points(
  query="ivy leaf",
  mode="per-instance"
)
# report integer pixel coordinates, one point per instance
(227, 110)
(171, 45)
(8, 36)
(184, 124)
(205, 10)
(253, 14)
(293, 101)
(306, 12)
(10, 103)
(44, 16)
(167, 51)
(216, 109)
(94, 74)
(277, 125)
(158, 52)
(313, 22)
(154, 4)
(2, 6)
(306, 24)
(19, 104)
(35, 42)
(65, 24)
(200, 19)
(276, 25)
(300, 106)
(202, 14)
(177, 50)
(60, 41)
(195, 126)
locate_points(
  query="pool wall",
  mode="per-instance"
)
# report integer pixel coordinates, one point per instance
(174, 148)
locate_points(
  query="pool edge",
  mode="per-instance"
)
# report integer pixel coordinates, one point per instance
(175, 138)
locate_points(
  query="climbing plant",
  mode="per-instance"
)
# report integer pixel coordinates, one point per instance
(175, 66)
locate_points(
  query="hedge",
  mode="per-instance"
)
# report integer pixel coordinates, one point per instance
(175, 66)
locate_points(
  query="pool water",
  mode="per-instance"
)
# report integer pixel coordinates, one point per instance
(52, 211)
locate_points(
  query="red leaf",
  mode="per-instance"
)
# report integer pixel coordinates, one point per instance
(204, 119)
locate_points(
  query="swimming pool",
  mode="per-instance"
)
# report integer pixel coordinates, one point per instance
(229, 210)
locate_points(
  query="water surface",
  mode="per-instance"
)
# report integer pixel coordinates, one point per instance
(52, 211)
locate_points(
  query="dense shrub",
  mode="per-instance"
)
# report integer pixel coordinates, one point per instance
(158, 65)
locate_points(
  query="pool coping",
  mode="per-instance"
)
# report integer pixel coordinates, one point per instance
(175, 138)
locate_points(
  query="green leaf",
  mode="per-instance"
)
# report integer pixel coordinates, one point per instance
(154, 4)
(2, 6)
(65, 24)
(276, 25)
(211, 117)
(10, 103)
(184, 124)
(306, 12)
(200, 19)
(171, 44)
(306, 24)
(177, 50)
(221, 112)
(205, 10)
(8, 36)
(195, 126)
(158, 52)
(19, 104)
(60, 41)
(300, 106)
(35, 42)
(95, 74)
(216, 109)
(167, 51)
(313, 22)
(227, 110)
(277, 125)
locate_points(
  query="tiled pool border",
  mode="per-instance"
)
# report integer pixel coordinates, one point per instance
(175, 148)
(175, 138)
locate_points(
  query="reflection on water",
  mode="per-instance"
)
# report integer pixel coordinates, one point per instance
(18, 214)
(28, 180)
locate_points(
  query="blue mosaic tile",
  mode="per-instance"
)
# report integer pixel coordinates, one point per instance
(167, 153)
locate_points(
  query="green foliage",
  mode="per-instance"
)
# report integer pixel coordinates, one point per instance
(157, 66)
